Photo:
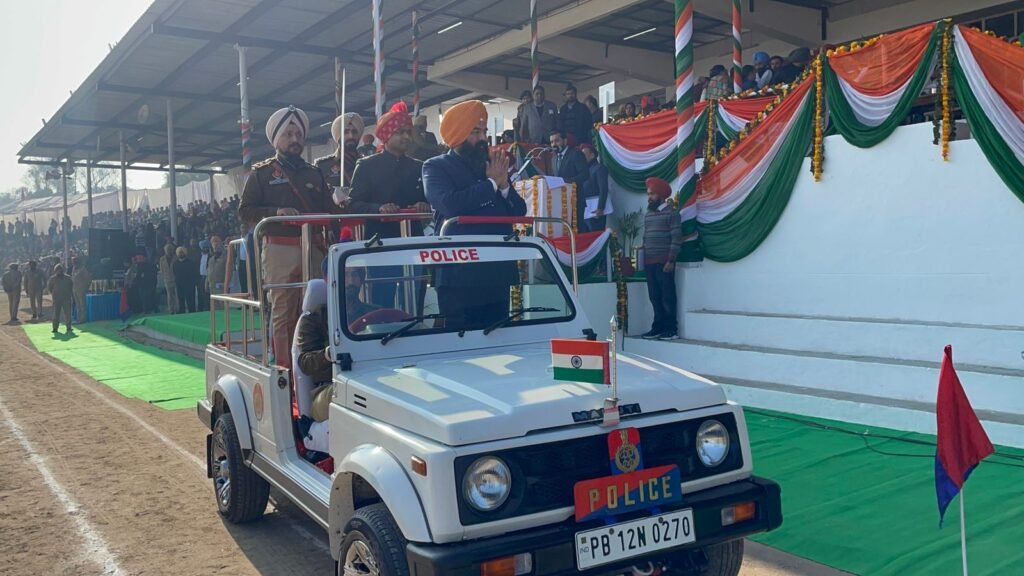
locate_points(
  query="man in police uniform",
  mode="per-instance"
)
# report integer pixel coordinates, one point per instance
(350, 127)
(285, 185)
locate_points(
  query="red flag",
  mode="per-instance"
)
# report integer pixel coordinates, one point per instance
(961, 440)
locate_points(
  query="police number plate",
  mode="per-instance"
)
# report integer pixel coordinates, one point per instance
(629, 539)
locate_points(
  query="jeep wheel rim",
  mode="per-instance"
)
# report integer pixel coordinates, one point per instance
(359, 560)
(221, 473)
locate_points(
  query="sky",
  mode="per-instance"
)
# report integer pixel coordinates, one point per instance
(50, 47)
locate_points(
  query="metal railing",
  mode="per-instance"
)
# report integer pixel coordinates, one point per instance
(255, 301)
(527, 220)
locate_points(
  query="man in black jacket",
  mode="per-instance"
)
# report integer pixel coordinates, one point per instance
(575, 119)
(570, 165)
(386, 183)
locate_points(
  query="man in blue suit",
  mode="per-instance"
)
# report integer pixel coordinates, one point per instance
(471, 181)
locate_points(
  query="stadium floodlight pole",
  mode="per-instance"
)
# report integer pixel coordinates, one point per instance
(378, 59)
(172, 177)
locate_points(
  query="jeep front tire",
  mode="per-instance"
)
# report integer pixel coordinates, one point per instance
(241, 493)
(724, 559)
(373, 544)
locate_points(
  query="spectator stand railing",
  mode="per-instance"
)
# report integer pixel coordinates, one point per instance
(255, 301)
(528, 221)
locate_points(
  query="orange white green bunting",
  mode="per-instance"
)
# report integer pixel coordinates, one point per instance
(740, 198)
(870, 89)
(988, 74)
(580, 360)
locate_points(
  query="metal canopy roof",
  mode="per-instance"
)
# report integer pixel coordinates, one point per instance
(184, 50)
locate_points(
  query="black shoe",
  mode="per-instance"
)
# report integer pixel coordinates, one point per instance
(668, 335)
(650, 334)
(55, 331)
(305, 423)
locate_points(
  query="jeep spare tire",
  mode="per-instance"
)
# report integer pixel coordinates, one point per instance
(241, 494)
(373, 544)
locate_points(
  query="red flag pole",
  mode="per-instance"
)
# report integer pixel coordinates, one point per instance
(963, 531)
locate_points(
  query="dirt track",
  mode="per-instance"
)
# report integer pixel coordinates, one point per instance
(95, 483)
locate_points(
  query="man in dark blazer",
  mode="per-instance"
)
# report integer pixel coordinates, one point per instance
(569, 164)
(471, 181)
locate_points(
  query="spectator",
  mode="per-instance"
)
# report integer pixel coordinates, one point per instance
(762, 69)
(539, 118)
(776, 64)
(367, 148)
(186, 276)
(662, 239)
(574, 119)
(204, 271)
(61, 289)
(798, 61)
(217, 267)
(34, 282)
(749, 77)
(596, 114)
(424, 143)
(719, 85)
(82, 279)
(166, 267)
(595, 191)
(626, 112)
(12, 287)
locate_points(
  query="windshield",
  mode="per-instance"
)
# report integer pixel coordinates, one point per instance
(457, 287)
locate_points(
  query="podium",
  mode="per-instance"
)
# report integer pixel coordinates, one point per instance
(549, 197)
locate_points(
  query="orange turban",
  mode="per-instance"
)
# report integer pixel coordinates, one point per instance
(458, 122)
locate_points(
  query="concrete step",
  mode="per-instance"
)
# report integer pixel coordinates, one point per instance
(989, 388)
(1002, 428)
(994, 346)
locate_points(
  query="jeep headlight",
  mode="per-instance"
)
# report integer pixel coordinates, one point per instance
(487, 483)
(712, 443)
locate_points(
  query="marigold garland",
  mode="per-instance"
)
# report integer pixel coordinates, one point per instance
(621, 294)
(709, 144)
(818, 139)
(547, 206)
(946, 128)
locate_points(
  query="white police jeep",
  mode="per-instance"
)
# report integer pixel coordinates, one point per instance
(451, 448)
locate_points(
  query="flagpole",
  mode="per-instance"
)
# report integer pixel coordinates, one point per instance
(963, 532)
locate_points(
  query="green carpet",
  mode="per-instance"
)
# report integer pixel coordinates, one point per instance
(166, 379)
(193, 328)
(851, 507)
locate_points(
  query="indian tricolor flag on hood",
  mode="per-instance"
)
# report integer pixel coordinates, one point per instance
(580, 360)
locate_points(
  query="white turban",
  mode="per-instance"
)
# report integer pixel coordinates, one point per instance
(279, 120)
(349, 118)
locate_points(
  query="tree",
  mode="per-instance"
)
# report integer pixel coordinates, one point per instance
(36, 182)
(185, 177)
(103, 180)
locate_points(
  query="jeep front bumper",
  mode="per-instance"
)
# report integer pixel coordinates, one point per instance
(553, 546)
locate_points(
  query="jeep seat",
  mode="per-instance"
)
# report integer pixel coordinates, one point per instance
(313, 299)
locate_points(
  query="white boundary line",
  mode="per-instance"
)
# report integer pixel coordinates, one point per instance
(198, 462)
(96, 548)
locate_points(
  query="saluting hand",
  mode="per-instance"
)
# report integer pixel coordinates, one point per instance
(287, 212)
(422, 207)
(389, 208)
(497, 168)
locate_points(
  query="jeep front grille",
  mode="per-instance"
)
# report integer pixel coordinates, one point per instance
(543, 475)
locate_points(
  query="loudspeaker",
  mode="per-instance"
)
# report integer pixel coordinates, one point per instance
(110, 252)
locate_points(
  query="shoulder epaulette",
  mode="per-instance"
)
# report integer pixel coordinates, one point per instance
(263, 163)
(322, 158)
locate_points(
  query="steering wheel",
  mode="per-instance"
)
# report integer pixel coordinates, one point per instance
(379, 316)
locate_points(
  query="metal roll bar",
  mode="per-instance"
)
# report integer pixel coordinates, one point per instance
(520, 220)
(253, 301)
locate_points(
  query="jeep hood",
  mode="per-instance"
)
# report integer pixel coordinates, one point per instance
(485, 395)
